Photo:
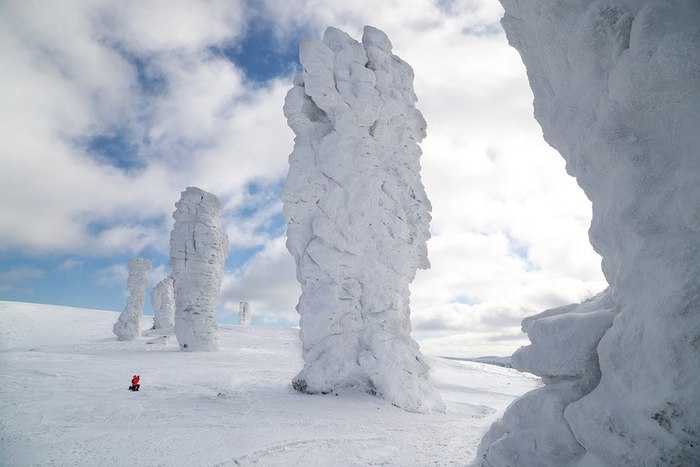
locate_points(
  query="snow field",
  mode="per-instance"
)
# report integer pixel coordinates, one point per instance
(64, 401)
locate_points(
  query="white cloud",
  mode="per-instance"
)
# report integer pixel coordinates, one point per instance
(268, 283)
(20, 274)
(509, 226)
(113, 276)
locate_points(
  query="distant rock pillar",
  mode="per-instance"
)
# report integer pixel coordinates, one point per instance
(244, 314)
(127, 326)
(198, 249)
(163, 303)
(357, 218)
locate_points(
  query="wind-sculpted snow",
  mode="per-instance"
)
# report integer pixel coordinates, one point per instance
(127, 326)
(163, 304)
(617, 92)
(357, 217)
(198, 249)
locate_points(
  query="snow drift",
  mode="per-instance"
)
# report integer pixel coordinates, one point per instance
(617, 92)
(357, 218)
(163, 304)
(127, 326)
(198, 249)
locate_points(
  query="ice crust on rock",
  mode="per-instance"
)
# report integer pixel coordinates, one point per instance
(198, 250)
(163, 304)
(357, 218)
(563, 345)
(617, 93)
(127, 326)
(244, 314)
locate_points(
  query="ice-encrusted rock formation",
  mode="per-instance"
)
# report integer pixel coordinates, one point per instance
(533, 430)
(127, 326)
(357, 217)
(617, 93)
(198, 249)
(163, 304)
(244, 316)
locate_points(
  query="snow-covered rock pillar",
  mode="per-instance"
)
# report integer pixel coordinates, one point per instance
(198, 249)
(127, 326)
(357, 217)
(617, 92)
(163, 304)
(244, 316)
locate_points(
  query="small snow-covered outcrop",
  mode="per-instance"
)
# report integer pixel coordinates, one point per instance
(533, 430)
(198, 249)
(617, 93)
(357, 218)
(127, 326)
(163, 304)
(244, 316)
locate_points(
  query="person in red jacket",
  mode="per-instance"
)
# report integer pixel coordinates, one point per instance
(135, 383)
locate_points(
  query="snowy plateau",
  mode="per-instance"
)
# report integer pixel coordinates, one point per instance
(64, 400)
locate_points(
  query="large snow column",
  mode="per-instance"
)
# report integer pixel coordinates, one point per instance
(127, 326)
(357, 217)
(533, 430)
(163, 303)
(198, 249)
(617, 92)
(244, 314)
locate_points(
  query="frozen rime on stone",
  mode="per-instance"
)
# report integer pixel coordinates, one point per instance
(617, 93)
(563, 352)
(198, 249)
(244, 314)
(163, 304)
(127, 326)
(357, 218)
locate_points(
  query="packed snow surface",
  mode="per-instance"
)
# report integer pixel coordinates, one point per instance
(617, 92)
(127, 325)
(65, 401)
(163, 304)
(358, 218)
(198, 250)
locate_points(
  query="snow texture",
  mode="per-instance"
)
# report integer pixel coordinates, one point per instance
(617, 93)
(163, 304)
(65, 401)
(357, 218)
(127, 326)
(244, 316)
(198, 249)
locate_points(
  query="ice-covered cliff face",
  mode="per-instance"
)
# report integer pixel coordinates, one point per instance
(357, 218)
(127, 326)
(163, 304)
(617, 92)
(198, 249)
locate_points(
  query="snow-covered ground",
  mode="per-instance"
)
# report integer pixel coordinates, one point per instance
(64, 401)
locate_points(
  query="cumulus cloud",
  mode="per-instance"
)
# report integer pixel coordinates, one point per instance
(81, 77)
(20, 274)
(268, 283)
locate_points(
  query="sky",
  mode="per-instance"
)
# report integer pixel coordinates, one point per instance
(110, 109)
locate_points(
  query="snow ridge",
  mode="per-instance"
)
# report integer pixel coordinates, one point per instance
(617, 93)
(127, 326)
(357, 218)
(198, 249)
